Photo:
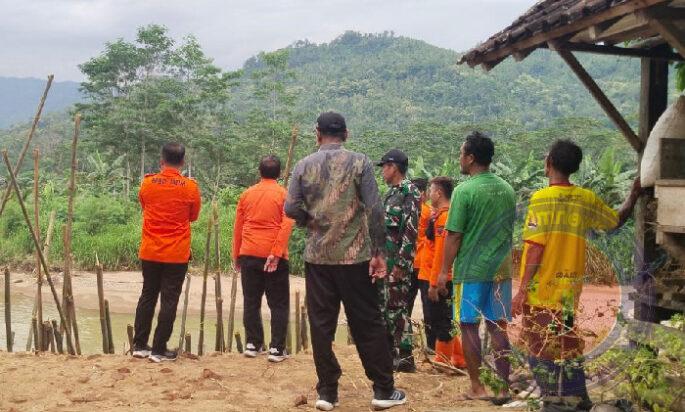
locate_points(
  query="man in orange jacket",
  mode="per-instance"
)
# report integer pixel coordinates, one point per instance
(419, 279)
(170, 201)
(440, 307)
(260, 253)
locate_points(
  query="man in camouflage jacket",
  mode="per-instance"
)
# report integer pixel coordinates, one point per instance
(401, 222)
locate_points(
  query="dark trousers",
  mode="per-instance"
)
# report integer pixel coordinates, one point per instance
(276, 286)
(440, 321)
(327, 286)
(422, 286)
(165, 279)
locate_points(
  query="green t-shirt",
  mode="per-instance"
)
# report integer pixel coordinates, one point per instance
(483, 209)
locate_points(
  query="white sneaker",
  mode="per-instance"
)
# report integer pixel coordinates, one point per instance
(276, 355)
(325, 405)
(251, 351)
(396, 398)
(142, 353)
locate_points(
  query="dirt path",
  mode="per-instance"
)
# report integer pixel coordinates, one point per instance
(226, 382)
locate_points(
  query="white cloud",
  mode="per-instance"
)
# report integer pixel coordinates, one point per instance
(42, 36)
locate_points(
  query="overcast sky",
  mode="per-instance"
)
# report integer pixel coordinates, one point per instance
(38, 37)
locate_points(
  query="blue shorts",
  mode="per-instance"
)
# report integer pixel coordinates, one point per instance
(491, 300)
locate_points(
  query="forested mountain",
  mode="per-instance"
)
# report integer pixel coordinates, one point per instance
(19, 98)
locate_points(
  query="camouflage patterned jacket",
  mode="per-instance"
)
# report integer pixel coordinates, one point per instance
(401, 222)
(333, 193)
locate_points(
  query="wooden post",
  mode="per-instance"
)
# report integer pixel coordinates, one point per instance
(27, 143)
(291, 151)
(36, 222)
(46, 251)
(298, 342)
(189, 347)
(50, 337)
(46, 270)
(36, 331)
(58, 337)
(289, 335)
(238, 343)
(201, 338)
(231, 310)
(8, 311)
(108, 317)
(46, 336)
(68, 263)
(129, 334)
(221, 343)
(183, 315)
(101, 305)
(303, 328)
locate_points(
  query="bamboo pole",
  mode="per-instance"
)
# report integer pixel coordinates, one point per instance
(24, 149)
(298, 344)
(201, 338)
(238, 343)
(108, 317)
(8, 311)
(35, 332)
(289, 336)
(231, 311)
(183, 316)
(303, 329)
(291, 150)
(13, 180)
(189, 347)
(129, 335)
(46, 250)
(58, 337)
(220, 340)
(68, 262)
(101, 304)
(36, 220)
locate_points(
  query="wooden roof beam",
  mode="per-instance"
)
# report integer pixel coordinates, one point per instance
(656, 54)
(666, 28)
(598, 94)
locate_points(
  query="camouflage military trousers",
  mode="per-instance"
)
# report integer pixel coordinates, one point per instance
(393, 295)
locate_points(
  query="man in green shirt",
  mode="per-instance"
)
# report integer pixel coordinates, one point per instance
(480, 227)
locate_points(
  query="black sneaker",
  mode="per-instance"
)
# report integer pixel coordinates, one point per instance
(163, 356)
(141, 352)
(405, 364)
(325, 403)
(397, 397)
(277, 355)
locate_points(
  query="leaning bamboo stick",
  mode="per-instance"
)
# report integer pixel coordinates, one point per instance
(68, 261)
(108, 317)
(27, 143)
(221, 343)
(13, 180)
(184, 313)
(8, 311)
(201, 338)
(101, 304)
(231, 310)
(36, 221)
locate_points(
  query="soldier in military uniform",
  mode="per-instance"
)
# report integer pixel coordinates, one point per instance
(402, 204)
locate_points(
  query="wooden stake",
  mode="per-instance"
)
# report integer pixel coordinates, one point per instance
(298, 342)
(68, 262)
(238, 343)
(46, 250)
(231, 310)
(303, 328)
(8, 311)
(13, 180)
(36, 222)
(24, 149)
(291, 151)
(101, 304)
(183, 316)
(50, 336)
(221, 343)
(34, 328)
(289, 336)
(108, 317)
(46, 337)
(201, 339)
(189, 347)
(129, 334)
(58, 337)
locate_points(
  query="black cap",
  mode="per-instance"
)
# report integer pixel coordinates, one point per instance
(394, 156)
(331, 122)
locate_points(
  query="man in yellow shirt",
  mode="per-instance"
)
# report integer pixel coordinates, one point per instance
(552, 271)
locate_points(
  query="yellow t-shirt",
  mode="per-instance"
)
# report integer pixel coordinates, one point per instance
(559, 218)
